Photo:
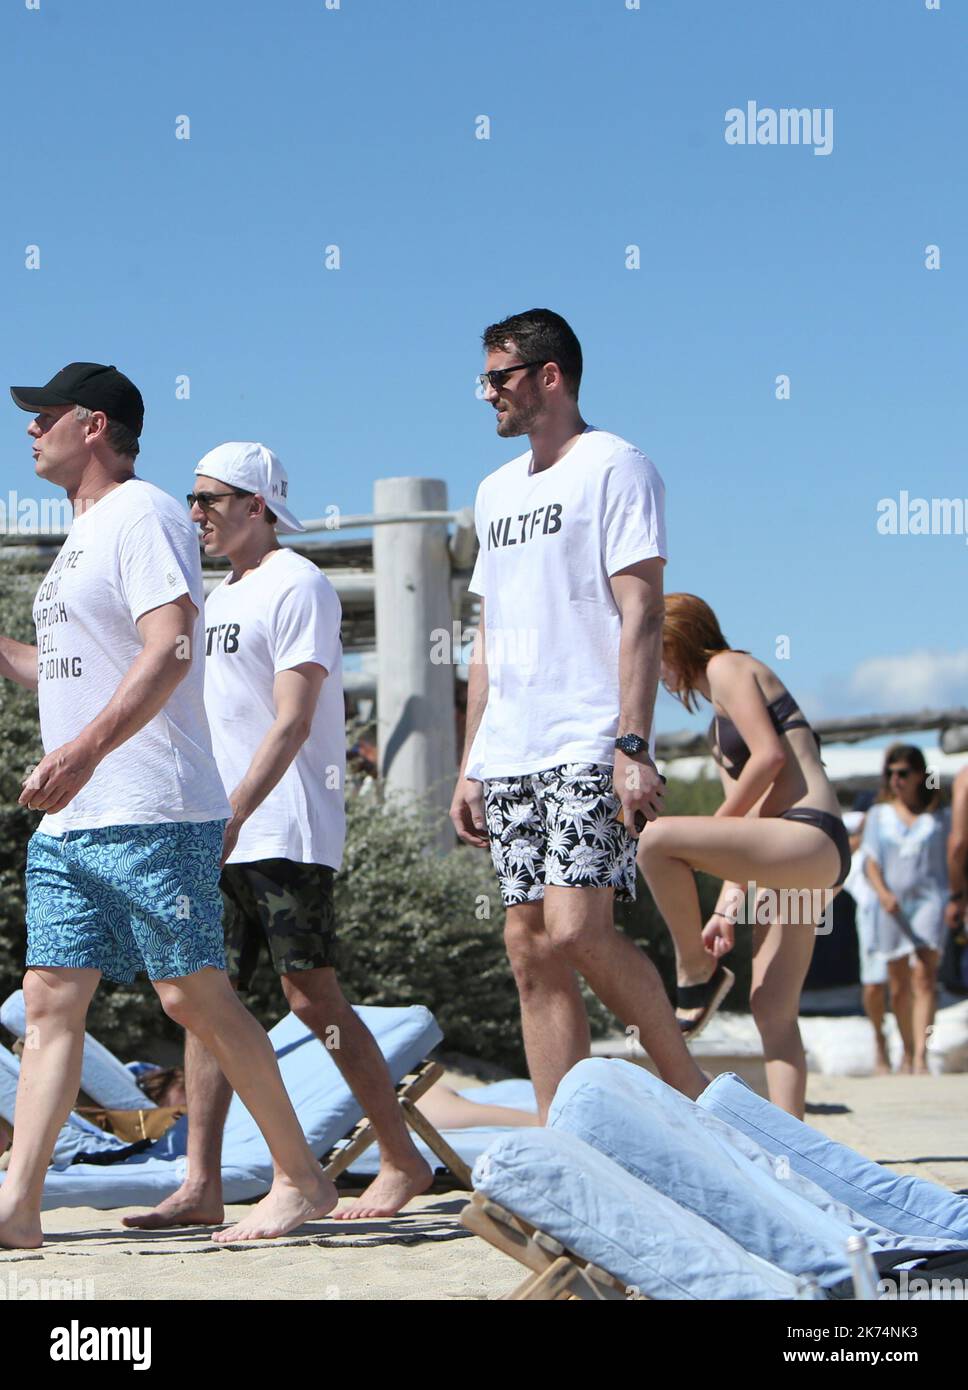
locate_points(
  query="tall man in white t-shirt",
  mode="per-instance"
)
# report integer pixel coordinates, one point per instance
(122, 873)
(560, 702)
(274, 697)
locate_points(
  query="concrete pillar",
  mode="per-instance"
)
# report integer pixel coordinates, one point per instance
(415, 696)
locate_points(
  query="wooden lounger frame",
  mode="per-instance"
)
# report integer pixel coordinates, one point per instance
(409, 1090)
(556, 1273)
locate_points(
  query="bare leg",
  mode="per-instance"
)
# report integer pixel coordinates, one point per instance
(899, 980)
(50, 1073)
(316, 998)
(781, 958)
(875, 1007)
(554, 1021)
(447, 1109)
(673, 886)
(206, 1004)
(579, 924)
(762, 852)
(199, 1199)
(924, 974)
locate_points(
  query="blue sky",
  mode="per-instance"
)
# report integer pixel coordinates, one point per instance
(356, 127)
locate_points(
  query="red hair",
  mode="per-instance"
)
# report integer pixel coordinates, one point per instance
(691, 635)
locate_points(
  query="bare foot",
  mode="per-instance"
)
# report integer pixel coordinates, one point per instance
(920, 1067)
(282, 1209)
(390, 1190)
(189, 1206)
(882, 1067)
(906, 1067)
(19, 1232)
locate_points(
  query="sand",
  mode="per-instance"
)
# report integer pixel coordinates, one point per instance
(915, 1123)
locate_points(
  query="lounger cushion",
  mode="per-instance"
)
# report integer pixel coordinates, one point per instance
(326, 1106)
(601, 1213)
(909, 1205)
(106, 1080)
(664, 1139)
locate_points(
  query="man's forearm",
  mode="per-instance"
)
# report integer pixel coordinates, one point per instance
(477, 690)
(141, 695)
(271, 760)
(639, 663)
(18, 662)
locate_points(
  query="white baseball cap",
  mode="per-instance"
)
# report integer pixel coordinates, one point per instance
(252, 468)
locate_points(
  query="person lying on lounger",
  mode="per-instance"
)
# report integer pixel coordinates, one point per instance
(444, 1107)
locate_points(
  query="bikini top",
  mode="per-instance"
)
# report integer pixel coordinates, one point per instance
(724, 733)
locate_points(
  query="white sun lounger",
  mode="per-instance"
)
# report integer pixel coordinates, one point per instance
(586, 1228)
(667, 1141)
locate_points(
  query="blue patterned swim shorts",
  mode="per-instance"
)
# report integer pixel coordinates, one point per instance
(127, 898)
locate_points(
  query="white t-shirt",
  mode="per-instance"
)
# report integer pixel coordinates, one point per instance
(549, 542)
(133, 551)
(278, 616)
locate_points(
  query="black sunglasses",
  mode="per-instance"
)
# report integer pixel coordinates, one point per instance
(899, 771)
(499, 375)
(207, 499)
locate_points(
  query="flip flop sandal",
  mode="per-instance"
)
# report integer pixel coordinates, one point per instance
(707, 997)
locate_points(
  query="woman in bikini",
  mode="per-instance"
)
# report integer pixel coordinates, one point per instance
(779, 828)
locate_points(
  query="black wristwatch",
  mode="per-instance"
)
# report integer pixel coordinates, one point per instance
(631, 744)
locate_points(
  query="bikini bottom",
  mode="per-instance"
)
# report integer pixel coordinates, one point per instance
(832, 826)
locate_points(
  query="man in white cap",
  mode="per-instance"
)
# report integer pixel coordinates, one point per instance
(274, 699)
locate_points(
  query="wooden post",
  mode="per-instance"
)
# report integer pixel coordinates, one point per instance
(414, 624)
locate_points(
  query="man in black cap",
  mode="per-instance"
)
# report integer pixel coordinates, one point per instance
(123, 871)
(90, 387)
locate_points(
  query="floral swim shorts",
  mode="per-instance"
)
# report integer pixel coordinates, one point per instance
(558, 827)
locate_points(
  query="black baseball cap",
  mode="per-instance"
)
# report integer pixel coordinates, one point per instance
(89, 384)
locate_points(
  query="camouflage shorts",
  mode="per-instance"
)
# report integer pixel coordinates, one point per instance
(281, 904)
